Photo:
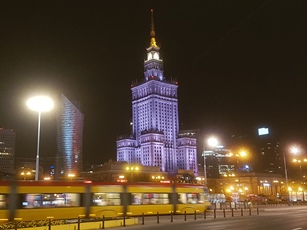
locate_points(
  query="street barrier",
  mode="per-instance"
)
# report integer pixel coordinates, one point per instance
(91, 223)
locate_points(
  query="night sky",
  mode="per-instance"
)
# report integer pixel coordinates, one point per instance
(240, 65)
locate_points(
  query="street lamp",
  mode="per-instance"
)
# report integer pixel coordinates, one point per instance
(293, 150)
(71, 176)
(286, 176)
(39, 104)
(132, 169)
(296, 151)
(26, 175)
(241, 154)
(299, 161)
(211, 142)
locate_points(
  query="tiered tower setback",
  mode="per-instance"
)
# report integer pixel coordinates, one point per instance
(155, 121)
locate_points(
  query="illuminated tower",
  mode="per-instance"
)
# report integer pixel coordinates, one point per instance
(7, 150)
(69, 138)
(155, 122)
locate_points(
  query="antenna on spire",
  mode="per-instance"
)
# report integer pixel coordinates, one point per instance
(152, 31)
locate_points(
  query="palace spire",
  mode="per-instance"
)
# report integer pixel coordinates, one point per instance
(152, 31)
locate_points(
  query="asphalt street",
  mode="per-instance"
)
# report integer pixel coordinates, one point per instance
(281, 218)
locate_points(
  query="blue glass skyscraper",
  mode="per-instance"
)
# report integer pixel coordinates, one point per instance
(69, 138)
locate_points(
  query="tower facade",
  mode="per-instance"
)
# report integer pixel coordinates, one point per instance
(69, 138)
(155, 121)
(7, 150)
(270, 158)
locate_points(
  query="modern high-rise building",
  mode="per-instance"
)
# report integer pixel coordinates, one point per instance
(69, 138)
(264, 150)
(155, 139)
(268, 151)
(7, 150)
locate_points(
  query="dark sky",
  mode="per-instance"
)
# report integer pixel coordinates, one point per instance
(240, 64)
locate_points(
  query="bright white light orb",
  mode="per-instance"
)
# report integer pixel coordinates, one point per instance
(294, 150)
(212, 141)
(40, 103)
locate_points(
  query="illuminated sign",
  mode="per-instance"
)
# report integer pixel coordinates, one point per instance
(263, 131)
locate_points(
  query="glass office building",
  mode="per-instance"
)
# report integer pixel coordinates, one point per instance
(7, 150)
(69, 138)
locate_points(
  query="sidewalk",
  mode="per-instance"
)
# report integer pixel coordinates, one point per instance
(163, 220)
(168, 219)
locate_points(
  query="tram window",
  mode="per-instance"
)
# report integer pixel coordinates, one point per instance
(136, 198)
(190, 198)
(51, 200)
(102, 199)
(201, 198)
(150, 198)
(2, 201)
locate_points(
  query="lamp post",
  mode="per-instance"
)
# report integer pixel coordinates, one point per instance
(39, 104)
(299, 161)
(286, 176)
(287, 183)
(211, 142)
(293, 150)
(241, 154)
(132, 169)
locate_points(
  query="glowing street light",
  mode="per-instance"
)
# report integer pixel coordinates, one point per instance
(132, 169)
(241, 154)
(71, 176)
(294, 150)
(299, 161)
(26, 175)
(211, 142)
(39, 104)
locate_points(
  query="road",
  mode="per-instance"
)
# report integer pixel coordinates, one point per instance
(285, 218)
